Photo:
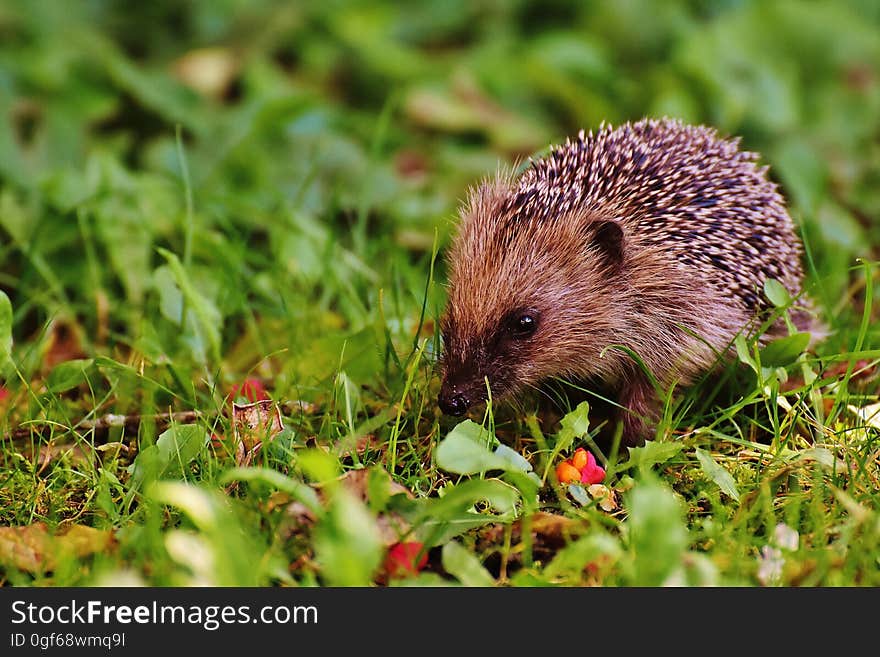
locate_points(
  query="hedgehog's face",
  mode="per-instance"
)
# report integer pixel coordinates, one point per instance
(492, 359)
(526, 303)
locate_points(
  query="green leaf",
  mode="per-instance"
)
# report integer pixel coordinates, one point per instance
(577, 422)
(776, 293)
(460, 497)
(743, 353)
(657, 535)
(207, 314)
(572, 558)
(5, 329)
(68, 375)
(179, 446)
(717, 473)
(464, 451)
(464, 566)
(784, 351)
(170, 297)
(516, 462)
(174, 450)
(651, 454)
(347, 543)
(436, 520)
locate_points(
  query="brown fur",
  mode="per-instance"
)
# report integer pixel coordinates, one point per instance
(655, 236)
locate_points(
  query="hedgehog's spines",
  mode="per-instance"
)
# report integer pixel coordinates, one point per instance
(676, 177)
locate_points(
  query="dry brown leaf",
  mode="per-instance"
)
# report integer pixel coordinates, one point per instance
(253, 424)
(49, 453)
(32, 548)
(370, 440)
(356, 482)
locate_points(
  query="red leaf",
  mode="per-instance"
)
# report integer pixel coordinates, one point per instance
(251, 389)
(401, 559)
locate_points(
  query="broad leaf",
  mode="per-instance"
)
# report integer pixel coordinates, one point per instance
(174, 450)
(68, 375)
(651, 454)
(776, 293)
(784, 351)
(717, 473)
(658, 537)
(464, 566)
(464, 451)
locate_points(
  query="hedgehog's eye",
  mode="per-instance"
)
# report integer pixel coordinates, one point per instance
(523, 324)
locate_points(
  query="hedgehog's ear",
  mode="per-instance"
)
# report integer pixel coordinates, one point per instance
(605, 237)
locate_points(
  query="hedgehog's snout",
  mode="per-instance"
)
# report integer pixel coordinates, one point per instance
(455, 404)
(456, 395)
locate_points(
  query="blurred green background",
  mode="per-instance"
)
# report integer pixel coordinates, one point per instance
(321, 144)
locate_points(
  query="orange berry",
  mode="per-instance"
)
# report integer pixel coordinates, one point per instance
(566, 473)
(579, 460)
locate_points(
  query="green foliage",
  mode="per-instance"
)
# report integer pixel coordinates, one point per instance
(347, 542)
(465, 450)
(5, 329)
(170, 457)
(657, 534)
(717, 473)
(464, 566)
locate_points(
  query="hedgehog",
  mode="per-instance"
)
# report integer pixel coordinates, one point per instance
(630, 258)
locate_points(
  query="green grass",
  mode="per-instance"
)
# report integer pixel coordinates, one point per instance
(162, 241)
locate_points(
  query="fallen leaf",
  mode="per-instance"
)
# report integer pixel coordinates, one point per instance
(357, 481)
(33, 548)
(49, 453)
(253, 424)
